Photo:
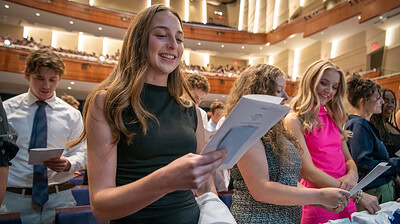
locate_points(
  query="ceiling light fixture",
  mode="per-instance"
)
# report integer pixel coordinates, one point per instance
(100, 28)
(260, 48)
(359, 17)
(69, 87)
(37, 14)
(222, 45)
(72, 83)
(293, 35)
(6, 6)
(242, 47)
(267, 44)
(71, 22)
(199, 43)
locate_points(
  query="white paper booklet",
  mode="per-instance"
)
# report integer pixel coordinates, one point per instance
(371, 176)
(251, 119)
(39, 155)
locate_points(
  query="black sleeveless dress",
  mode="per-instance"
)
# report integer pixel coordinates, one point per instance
(171, 138)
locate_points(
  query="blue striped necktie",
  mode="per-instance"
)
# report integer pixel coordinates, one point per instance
(40, 194)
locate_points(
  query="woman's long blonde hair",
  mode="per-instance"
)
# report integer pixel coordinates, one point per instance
(306, 103)
(125, 84)
(261, 79)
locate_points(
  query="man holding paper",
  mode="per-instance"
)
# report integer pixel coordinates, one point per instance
(43, 121)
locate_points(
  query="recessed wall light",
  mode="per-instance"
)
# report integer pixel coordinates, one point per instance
(69, 87)
(293, 35)
(37, 14)
(6, 6)
(267, 44)
(380, 17)
(71, 22)
(284, 42)
(359, 17)
(199, 43)
(100, 28)
(260, 48)
(242, 47)
(222, 45)
(72, 83)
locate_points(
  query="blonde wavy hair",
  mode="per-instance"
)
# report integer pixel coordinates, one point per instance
(306, 104)
(261, 79)
(125, 84)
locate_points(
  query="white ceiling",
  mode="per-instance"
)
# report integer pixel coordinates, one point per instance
(25, 16)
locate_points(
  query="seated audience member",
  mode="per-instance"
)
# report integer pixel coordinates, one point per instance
(199, 88)
(42, 120)
(71, 101)
(365, 146)
(216, 110)
(389, 132)
(142, 135)
(8, 149)
(316, 120)
(266, 178)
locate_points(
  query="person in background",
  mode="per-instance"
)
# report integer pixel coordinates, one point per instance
(8, 149)
(142, 135)
(384, 122)
(71, 101)
(199, 88)
(216, 110)
(397, 120)
(316, 120)
(42, 120)
(266, 177)
(365, 144)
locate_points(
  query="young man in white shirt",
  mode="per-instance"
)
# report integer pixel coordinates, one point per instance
(64, 123)
(200, 87)
(216, 109)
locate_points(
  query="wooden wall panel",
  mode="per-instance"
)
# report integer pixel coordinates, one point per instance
(12, 60)
(391, 83)
(373, 8)
(80, 11)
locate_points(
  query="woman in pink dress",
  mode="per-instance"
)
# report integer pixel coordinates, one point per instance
(316, 119)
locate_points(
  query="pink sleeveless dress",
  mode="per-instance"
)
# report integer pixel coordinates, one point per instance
(324, 144)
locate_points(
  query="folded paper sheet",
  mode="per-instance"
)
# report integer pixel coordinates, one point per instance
(39, 155)
(251, 119)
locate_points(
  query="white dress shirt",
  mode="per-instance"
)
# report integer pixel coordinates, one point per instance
(64, 123)
(204, 118)
(211, 125)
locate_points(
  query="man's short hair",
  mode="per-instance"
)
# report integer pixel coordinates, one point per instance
(198, 81)
(44, 58)
(70, 100)
(216, 105)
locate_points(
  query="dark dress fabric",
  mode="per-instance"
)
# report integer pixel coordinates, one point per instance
(394, 145)
(8, 138)
(246, 210)
(172, 137)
